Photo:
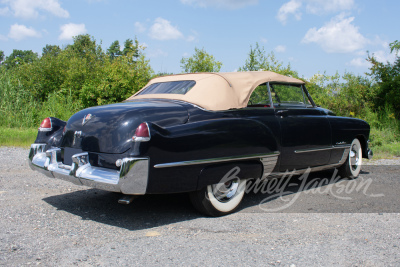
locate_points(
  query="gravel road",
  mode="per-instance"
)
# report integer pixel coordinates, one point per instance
(51, 222)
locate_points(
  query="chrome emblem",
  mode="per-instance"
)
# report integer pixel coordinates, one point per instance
(87, 118)
(77, 136)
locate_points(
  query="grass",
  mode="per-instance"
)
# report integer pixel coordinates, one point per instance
(387, 151)
(17, 137)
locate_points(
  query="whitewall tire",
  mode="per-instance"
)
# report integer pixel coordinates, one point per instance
(219, 199)
(352, 167)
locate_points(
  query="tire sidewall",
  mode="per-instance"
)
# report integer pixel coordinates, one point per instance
(354, 173)
(228, 206)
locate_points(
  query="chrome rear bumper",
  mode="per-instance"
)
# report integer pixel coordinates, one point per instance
(130, 179)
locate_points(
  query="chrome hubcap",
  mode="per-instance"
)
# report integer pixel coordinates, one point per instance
(224, 192)
(354, 157)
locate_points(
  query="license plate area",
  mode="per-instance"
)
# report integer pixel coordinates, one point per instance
(68, 153)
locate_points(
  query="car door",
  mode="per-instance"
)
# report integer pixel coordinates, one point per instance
(305, 131)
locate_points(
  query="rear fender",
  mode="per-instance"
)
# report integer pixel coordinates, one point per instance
(224, 172)
(53, 136)
(175, 152)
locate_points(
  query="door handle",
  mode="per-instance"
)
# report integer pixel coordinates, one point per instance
(282, 113)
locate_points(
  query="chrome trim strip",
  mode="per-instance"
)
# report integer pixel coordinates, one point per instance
(269, 164)
(320, 149)
(317, 168)
(215, 160)
(340, 146)
(131, 179)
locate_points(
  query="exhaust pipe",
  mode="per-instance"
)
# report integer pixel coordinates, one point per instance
(127, 199)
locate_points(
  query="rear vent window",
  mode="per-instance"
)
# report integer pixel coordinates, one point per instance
(177, 87)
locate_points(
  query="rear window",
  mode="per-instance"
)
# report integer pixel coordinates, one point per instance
(177, 87)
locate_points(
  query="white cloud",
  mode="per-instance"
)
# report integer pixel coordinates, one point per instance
(380, 55)
(70, 30)
(384, 56)
(229, 4)
(163, 30)
(360, 62)
(28, 9)
(19, 32)
(139, 27)
(290, 8)
(328, 6)
(337, 36)
(280, 49)
(4, 11)
(264, 40)
(294, 8)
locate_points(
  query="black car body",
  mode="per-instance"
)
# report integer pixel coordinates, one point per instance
(184, 133)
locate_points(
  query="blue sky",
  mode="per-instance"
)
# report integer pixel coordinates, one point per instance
(312, 35)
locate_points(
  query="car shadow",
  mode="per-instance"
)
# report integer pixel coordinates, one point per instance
(150, 211)
(145, 212)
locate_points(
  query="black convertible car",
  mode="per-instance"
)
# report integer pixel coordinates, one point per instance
(186, 133)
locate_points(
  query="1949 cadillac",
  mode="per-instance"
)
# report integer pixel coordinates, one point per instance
(185, 133)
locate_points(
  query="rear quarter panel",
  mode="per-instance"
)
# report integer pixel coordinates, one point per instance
(216, 138)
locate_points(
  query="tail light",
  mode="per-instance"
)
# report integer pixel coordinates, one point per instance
(142, 133)
(45, 126)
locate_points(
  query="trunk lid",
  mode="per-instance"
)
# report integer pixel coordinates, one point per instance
(109, 128)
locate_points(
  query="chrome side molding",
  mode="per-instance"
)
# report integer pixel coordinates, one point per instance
(216, 160)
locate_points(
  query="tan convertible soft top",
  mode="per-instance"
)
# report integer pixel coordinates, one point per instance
(218, 91)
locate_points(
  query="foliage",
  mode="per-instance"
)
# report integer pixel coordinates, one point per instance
(1, 56)
(114, 50)
(347, 95)
(51, 50)
(201, 61)
(20, 57)
(387, 77)
(63, 81)
(258, 60)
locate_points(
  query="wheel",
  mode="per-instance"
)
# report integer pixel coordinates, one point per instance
(219, 199)
(352, 166)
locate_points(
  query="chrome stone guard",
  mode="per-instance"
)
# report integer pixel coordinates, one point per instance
(131, 179)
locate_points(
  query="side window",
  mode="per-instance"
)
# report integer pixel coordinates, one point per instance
(285, 94)
(259, 97)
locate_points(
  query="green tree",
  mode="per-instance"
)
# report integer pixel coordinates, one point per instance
(20, 57)
(1, 56)
(387, 76)
(201, 61)
(85, 46)
(258, 60)
(132, 49)
(114, 50)
(51, 50)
